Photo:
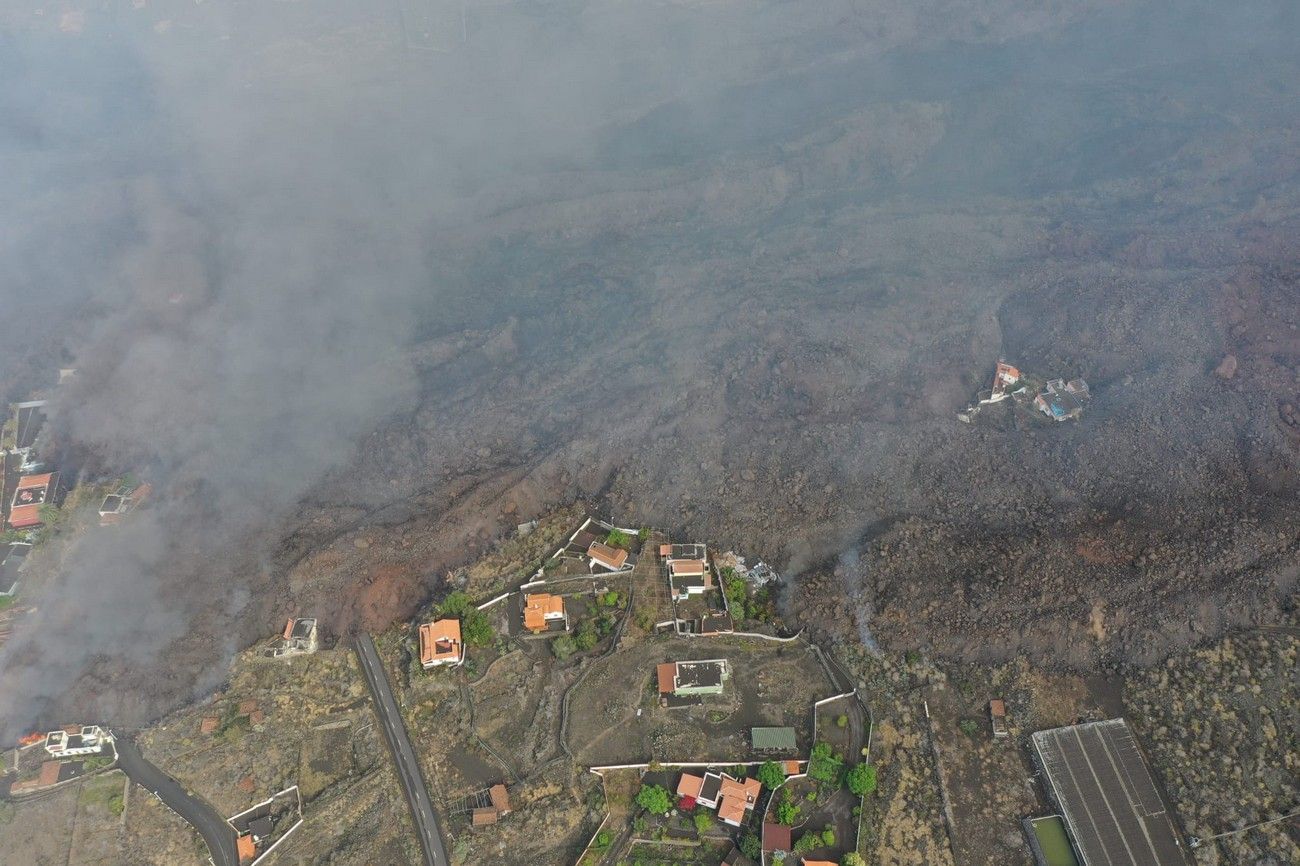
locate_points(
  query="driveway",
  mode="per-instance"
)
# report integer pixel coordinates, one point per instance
(219, 835)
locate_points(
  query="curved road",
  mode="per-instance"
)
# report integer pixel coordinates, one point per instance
(408, 766)
(219, 835)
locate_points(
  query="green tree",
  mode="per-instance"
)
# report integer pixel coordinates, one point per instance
(477, 628)
(828, 836)
(703, 823)
(825, 765)
(455, 604)
(853, 858)
(618, 538)
(654, 799)
(751, 846)
(861, 780)
(771, 775)
(603, 840)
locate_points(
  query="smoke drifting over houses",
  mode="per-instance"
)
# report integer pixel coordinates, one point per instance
(726, 265)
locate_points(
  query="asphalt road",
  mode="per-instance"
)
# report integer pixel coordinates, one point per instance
(219, 835)
(408, 766)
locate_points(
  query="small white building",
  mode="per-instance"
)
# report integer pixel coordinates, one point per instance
(90, 740)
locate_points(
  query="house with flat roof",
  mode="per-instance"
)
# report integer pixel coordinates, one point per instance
(440, 643)
(33, 492)
(688, 569)
(544, 612)
(11, 567)
(1061, 400)
(682, 679)
(300, 637)
(73, 740)
(123, 500)
(260, 829)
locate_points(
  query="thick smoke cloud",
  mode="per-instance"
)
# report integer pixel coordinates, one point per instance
(231, 216)
(252, 287)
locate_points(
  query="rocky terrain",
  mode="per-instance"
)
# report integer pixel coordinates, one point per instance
(1223, 727)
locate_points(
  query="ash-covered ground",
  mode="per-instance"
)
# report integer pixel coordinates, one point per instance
(726, 268)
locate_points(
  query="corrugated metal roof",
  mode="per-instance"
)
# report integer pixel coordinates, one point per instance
(773, 738)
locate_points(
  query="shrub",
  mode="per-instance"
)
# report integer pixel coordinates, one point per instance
(618, 538)
(969, 727)
(603, 840)
(703, 823)
(787, 813)
(586, 636)
(751, 846)
(563, 647)
(825, 765)
(841, 721)
(809, 841)
(828, 837)
(853, 858)
(654, 799)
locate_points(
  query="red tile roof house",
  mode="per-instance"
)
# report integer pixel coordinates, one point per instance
(33, 491)
(733, 798)
(606, 557)
(440, 643)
